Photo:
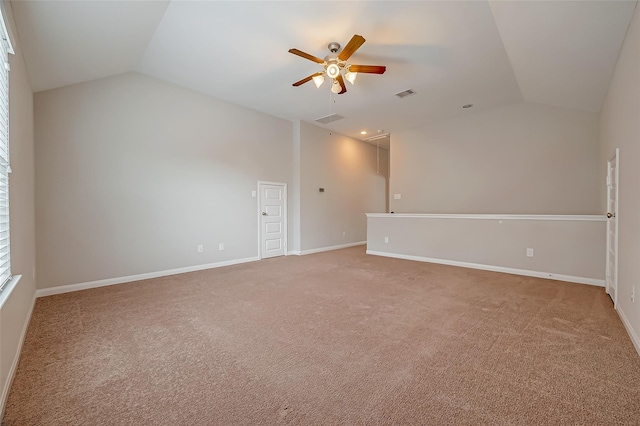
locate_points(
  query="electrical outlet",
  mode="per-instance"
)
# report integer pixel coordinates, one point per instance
(529, 252)
(344, 233)
(200, 248)
(221, 246)
(386, 240)
(397, 196)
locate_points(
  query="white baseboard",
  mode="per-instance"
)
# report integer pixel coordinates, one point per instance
(632, 334)
(16, 359)
(293, 253)
(120, 280)
(341, 246)
(537, 274)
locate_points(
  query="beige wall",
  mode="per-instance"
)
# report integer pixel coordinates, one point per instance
(15, 311)
(517, 159)
(347, 170)
(294, 199)
(569, 249)
(133, 173)
(620, 128)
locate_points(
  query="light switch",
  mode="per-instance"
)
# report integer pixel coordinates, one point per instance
(253, 194)
(397, 196)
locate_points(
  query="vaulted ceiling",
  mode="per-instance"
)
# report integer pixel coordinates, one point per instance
(451, 53)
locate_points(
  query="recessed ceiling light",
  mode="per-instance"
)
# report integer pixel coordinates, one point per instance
(467, 106)
(364, 132)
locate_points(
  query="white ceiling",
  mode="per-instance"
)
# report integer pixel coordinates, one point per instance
(67, 42)
(451, 53)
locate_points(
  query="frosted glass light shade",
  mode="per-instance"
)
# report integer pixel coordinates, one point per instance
(318, 80)
(351, 77)
(333, 70)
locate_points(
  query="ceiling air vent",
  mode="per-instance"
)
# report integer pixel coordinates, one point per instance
(406, 93)
(329, 118)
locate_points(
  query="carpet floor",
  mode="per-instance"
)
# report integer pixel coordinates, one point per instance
(330, 338)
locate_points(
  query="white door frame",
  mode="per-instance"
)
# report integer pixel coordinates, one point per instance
(615, 159)
(259, 214)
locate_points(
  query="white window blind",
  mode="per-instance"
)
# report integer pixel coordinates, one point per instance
(5, 255)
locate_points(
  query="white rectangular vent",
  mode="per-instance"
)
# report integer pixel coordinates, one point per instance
(329, 118)
(406, 93)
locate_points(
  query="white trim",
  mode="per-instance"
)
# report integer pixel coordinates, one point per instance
(130, 278)
(587, 218)
(8, 288)
(525, 272)
(376, 137)
(341, 246)
(293, 253)
(14, 365)
(5, 33)
(616, 160)
(632, 334)
(286, 219)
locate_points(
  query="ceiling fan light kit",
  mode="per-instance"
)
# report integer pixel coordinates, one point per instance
(333, 70)
(335, 87)
(351, 77)
(318, 80)
(335, 66)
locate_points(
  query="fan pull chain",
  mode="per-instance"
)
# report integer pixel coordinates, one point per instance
(331, 110)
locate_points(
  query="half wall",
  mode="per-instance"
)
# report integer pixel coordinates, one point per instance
(568, 248)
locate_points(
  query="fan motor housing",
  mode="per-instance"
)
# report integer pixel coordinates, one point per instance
(333, 47)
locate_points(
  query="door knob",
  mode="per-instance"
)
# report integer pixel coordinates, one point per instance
(609, 215)
(264, 213)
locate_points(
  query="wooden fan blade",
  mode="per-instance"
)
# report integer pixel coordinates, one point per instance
(304, 80)
(341, 82)
(370, 69)
(353, 45)
(306, 56)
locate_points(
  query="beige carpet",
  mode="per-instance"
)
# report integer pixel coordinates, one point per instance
(331, 338)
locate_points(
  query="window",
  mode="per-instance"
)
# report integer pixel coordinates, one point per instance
(5, 255)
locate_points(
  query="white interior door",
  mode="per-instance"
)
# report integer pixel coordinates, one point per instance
(273, 219)
(612, 227)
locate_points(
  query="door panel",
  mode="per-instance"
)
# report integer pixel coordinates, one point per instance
(273, 228)
(275, 244)
(273, 210)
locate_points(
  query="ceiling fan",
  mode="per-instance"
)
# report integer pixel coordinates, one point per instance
(335, 65)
